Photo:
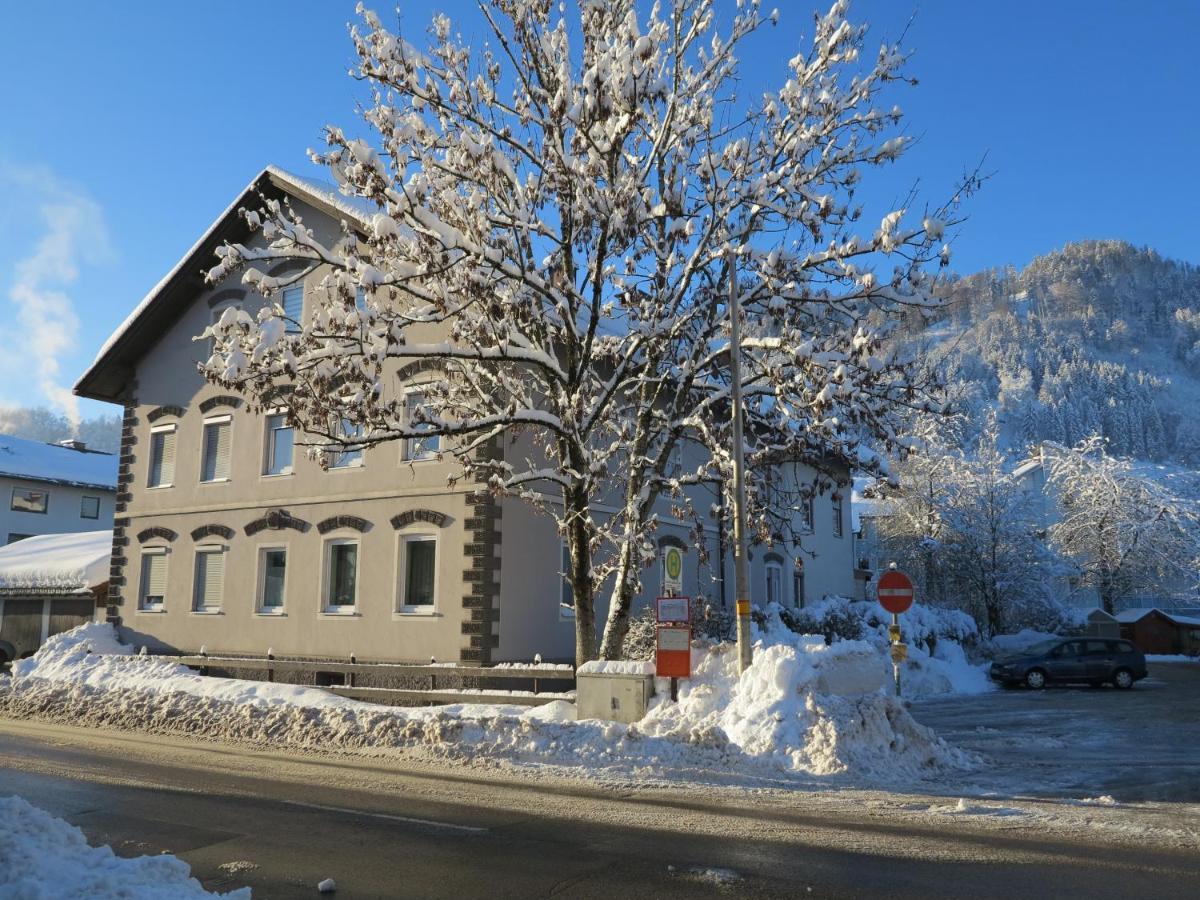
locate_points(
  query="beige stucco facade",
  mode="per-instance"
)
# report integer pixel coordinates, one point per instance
(497, 582)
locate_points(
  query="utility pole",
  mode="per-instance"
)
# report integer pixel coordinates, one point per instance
(740, 575)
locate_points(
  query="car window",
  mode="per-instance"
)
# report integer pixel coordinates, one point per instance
(1101, 648)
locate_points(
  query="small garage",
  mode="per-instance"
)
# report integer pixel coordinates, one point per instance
(50, 584)
(1164, 631)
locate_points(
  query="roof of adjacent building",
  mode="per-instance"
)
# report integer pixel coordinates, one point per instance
(36, 461)
(1187, 616)
(56, 563)
(106, 377)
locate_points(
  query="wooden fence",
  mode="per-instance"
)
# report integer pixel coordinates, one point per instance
(537, 674)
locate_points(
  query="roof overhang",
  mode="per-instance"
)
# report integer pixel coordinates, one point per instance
(113, 367)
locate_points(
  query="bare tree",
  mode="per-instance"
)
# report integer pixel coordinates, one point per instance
(1128, 534)
(559, 211)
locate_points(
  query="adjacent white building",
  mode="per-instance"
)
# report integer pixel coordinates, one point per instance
(54, 488)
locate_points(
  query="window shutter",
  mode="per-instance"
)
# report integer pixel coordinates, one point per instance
(293, 306)
(224, 434)
(216, 451)
(210, 579)
(154, 575)
(162, 458)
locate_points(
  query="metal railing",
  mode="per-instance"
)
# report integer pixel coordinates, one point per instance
(537, 674)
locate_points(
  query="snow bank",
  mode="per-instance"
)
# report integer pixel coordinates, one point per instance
(944, 670)
(1018, 643)
(1171, 658)
(44, 858)
(778, 718)
(66, 562)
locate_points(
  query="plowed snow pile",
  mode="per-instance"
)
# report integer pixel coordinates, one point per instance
(781, 718)
(42, 858)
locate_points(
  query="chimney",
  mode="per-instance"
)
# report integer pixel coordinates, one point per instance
(73, 444)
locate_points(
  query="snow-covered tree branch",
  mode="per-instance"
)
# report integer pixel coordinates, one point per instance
(559, 213)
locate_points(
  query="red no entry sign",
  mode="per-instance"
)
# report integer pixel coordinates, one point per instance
(895, 591)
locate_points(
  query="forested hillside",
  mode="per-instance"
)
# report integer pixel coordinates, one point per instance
(1099, 336)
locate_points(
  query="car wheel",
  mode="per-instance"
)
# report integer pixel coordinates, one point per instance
(1123, 679)
(1036, 679)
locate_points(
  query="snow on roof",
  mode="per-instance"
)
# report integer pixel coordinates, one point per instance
(36, 461)
(1128, 616)
(56, 563)
(304, 188)
(861, 505)
(1028, 466)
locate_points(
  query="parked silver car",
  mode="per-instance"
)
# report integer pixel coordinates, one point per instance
(1093, 661)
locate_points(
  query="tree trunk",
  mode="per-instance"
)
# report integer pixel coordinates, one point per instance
(579, 576)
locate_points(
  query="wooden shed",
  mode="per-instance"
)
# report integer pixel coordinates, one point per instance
(50, 584)
(1173, 631)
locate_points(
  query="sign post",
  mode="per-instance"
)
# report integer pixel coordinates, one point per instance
(896, 596)
(673, 644)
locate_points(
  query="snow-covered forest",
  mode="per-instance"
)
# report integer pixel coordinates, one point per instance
(38, 423)
(1099, 337)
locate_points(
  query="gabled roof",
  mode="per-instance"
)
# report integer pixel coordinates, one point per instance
(1128, 616)
(106, 377)
(35, 461)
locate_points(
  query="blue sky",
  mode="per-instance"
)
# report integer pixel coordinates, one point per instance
(129, 127)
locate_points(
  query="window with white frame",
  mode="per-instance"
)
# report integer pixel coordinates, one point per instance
(351, 457)
(566, 597)
(341, 575)
(798, 586)
(208, 590)
(418, 572)
(162, 456)
(272, 579)
(152, 590)
(89, 507)
(214, 462)
(280, 443)
(416, 448)
(774, 573)
(29, 500)
(292, 302)
(806, 513)
(837, 515)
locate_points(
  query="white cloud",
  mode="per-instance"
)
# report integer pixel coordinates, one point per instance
(63, 229)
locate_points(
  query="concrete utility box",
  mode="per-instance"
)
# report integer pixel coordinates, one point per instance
(617, 691)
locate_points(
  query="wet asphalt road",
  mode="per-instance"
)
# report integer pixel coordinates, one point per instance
(384, 828)
(1141, 744)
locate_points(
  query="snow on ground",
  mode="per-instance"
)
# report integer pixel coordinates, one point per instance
(45, 858)
(1171, 658)
(780, 719)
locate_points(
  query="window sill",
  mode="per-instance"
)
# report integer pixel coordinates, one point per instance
(416, 614)
(217, 481)
(159, 487)
(351, 468)
(338, 614)
(150, 612)
(419, 459)
(207, 612)
(277, 474)
(267, 614)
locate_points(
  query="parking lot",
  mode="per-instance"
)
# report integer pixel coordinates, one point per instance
(1082, 742)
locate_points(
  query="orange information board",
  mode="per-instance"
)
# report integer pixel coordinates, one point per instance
(673, 658)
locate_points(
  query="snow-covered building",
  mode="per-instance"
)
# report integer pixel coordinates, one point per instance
(229, 536)
(53, 488)
(50, 584)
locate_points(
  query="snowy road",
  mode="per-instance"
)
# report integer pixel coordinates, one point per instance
(1080, 741)
(382, 828)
